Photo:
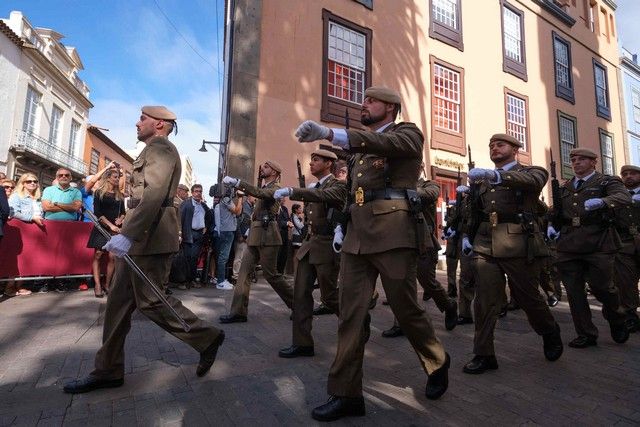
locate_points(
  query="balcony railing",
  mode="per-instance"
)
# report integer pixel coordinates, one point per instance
(32, 143)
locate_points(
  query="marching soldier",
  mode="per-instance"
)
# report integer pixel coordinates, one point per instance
(627, 265)
(506, 240)
(381, 238)
(587, 243)
(263, 243)
(316, 258)
(150, 235)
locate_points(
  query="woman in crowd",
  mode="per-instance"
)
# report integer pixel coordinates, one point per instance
(298, 232)
(25, 206)
(8, 185)
(108, 207)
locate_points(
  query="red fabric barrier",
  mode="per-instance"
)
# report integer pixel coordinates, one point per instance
(57, 249)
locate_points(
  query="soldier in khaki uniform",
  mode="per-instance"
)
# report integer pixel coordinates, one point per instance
(316, 258)
(507, 242)
(150, 235)
(263, 243)
(627, 265)
(587, 243)
(381, 238)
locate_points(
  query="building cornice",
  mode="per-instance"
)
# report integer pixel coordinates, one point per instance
(93, 130)
(7, 31)
(630, 64)
(612, 4)
(556, 11)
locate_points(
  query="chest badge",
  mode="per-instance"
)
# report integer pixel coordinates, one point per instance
(575, 221)
(360, 196)
(378, 163)
(493, 219)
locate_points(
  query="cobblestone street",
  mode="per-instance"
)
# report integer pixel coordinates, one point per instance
(47, 339)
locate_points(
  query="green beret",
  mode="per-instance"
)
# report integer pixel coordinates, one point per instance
(325, 153)
(383, 94)
(159, 112)
(506, 138)
(629, 168)
(584, 152)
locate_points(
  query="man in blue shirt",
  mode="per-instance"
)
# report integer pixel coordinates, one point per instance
(61, 202)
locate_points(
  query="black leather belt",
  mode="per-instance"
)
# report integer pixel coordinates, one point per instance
(513, 219)
(389, 194)
(133, 203)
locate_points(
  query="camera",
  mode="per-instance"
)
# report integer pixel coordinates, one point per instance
(221, 191)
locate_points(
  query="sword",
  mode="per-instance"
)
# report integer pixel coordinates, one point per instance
(159, 293)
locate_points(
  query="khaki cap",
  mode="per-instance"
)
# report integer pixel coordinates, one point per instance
(159, 112)
(383, 94)
(584, 152)
(506, 138)
(325, 153)
(630, 168)
(274, 165)
(183, 187)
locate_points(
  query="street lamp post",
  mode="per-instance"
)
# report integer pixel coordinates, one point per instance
(203, 149)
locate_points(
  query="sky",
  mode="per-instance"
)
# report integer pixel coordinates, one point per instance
(150, 52)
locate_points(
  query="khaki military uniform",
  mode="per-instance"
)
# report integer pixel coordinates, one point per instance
(466, 288)
(263, 245)
(316, 258)
(627, 264)
(153, 226)
(381, 239)
(586, 249)
(502, 247)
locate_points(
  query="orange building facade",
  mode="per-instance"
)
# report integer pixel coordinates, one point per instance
(544, 71)
(100, 150)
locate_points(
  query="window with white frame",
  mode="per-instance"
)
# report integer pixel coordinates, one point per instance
(635, 100)
(73, 137)
(95, 161)
(446, 12)
(606, 151)
(31, 108)
(517, 119)
(602, 91)
(446, 98)
(562, 59)
(56, 125)
(445, 22)
(346, 63)
(567, 130)
(512, 35)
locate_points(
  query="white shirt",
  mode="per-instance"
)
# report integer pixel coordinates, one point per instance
(341, 139)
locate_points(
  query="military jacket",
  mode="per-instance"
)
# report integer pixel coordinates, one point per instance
(332, 194)
(428, 191)
(153, 224)
(590, 231)
(501, 233)
(381, 225)
(265, 208)
(628, 227)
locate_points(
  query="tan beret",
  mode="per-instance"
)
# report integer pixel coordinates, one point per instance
(159, 112)
(383, 94)
(274, 165)
(325, 153)
(506, 138)
(629, 168)
(183, 187)
(584, 152)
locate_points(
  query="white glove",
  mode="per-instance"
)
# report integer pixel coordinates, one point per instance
(462, 189)
(449, 233)
(552, 234)
(479, 174)
(118, 245)
(593, 204)
(451, 203)
(338, 237)
(231, 181)
(635, 198)
(281, 193)
(467, 247)
(310, 131)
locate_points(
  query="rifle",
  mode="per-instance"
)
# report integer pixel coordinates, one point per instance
(556, 215)
(301, 180)
(259, 180)
(474, 203)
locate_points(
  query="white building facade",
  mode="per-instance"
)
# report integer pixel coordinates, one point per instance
(630, 71)
(45, 104)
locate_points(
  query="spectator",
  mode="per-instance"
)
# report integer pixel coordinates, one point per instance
(3, 176)
(90, 181)
(341, 170)
(182, 193)
(108, 207)
(284, 224)
(61, 202)
(4, 212)
(242, 231)
(226, 224)
(9, 185)
(194, 228)
(212, 253)
(298, 233)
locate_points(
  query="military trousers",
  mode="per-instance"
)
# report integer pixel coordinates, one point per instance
(452, 272)
(129, 292)
(466, 287)
(596, 268)
(268, 257)
(490, 281)
(306, 275)
(358, 273)
(626, 276)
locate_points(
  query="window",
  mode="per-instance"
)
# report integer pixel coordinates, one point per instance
(568, 141)
(95, 161)
(602, 91)
(562, 58)
(513, 51)
(517, 121)
(73, 137)
(366, 3)
(106, 161)
(55, 131)
(346, 67)
(635, 100)
(447, 107)
(446, 23)
(31, 110)
(606, 152)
